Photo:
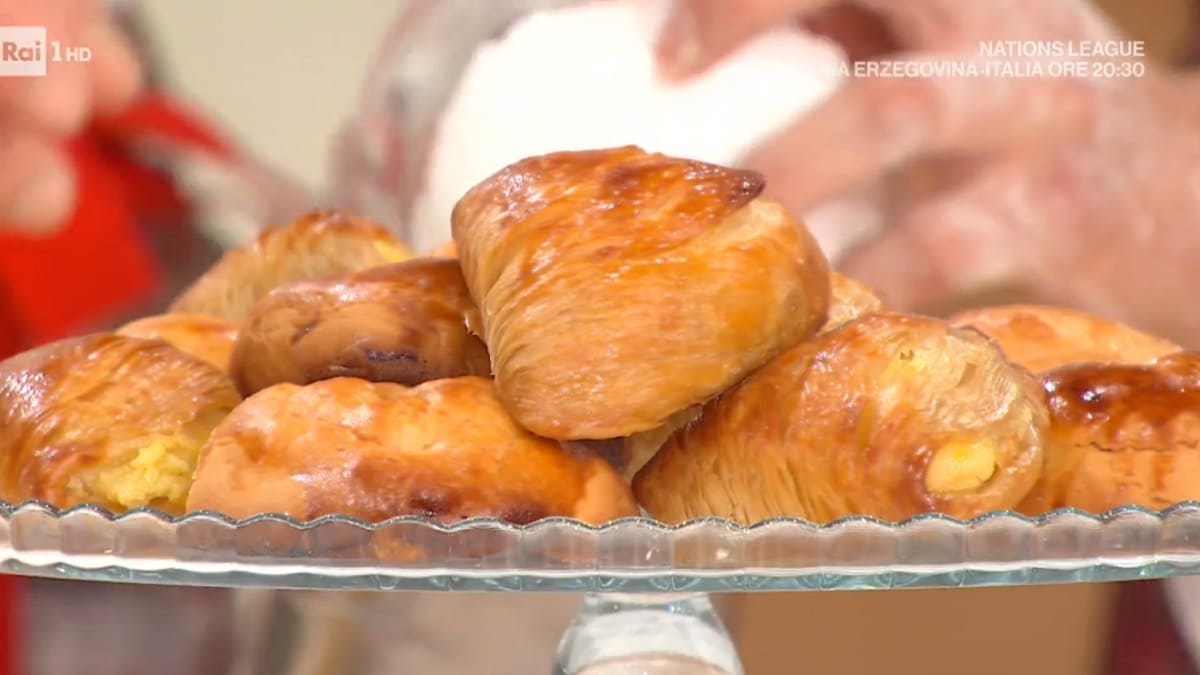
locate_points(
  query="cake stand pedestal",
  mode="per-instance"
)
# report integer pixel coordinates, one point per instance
(647, 634)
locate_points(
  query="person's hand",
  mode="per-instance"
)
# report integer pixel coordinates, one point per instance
(1084, 189)
(37, 188)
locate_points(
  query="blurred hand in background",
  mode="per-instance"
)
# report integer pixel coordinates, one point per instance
(1085, 190)
(37, 188)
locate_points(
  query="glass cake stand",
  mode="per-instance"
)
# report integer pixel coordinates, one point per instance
(646, 585)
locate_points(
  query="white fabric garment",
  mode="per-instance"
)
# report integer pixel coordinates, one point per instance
(584, 77)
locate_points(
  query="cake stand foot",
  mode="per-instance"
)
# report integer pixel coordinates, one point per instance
(650, 634)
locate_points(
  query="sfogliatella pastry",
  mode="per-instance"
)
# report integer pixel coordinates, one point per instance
(205, 337)
(445, 449)
(638, 449)
(403, 323)
(849, 300)
(1121, 434)
(618, 288)
(320, 245)
(889, 415)
(628, 455)
(1042, 338)
(106, 419)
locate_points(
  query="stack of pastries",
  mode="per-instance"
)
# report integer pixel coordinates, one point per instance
(608, 331)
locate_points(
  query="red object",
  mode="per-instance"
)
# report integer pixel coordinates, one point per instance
(1146, 639)
(97, 266)
(94, 267)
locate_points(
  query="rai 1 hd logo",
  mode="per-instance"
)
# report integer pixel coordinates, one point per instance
(25, 51)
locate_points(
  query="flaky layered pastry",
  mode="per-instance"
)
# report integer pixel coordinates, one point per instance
(629, 454)
(319, 245)
(1121, 434)
(638, 449)
(205, 337)
(618, 288)
(445, 449)
(1042, 338)
(889, 415)
(849, 300)
(404, 323)
(106, 419)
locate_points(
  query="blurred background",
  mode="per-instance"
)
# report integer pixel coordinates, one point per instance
(280, 78)
(281, 81)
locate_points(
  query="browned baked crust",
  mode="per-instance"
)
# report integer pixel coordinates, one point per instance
(445, 449)
(105, 419)
(849, 300)
(319, 245)
(1042, 338)
(887, 416)
(638, 449)
(403, 323)
(1121, 434)
(207, 338)
(618, 288)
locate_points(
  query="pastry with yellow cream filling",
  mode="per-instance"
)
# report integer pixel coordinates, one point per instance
(108, 420)
(889, 415)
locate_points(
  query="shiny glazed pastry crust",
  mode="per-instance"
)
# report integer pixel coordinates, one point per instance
(445, 449)
(849, 300)
(1121, 434)
(618, 288)
(403, 323)
(207, 338)
(320, 245)
(644, 314)
(889, 415)
(106, 419)
(1042, 338)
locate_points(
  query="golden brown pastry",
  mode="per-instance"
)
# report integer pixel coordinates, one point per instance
(445, 449)
(403, 323)
(320, 245)
(207, 338)
(640, 447)
(628, 455)
(618, 288)
(1121, 434)
(1042, 338)
(888, 416)
(446, 250)
(106, 419)
(849, 299)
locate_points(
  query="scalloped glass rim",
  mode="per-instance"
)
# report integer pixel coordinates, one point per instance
(632, 554)
(7, 509)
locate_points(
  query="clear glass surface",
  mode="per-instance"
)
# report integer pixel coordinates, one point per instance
(672, 634)
(632, 555)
